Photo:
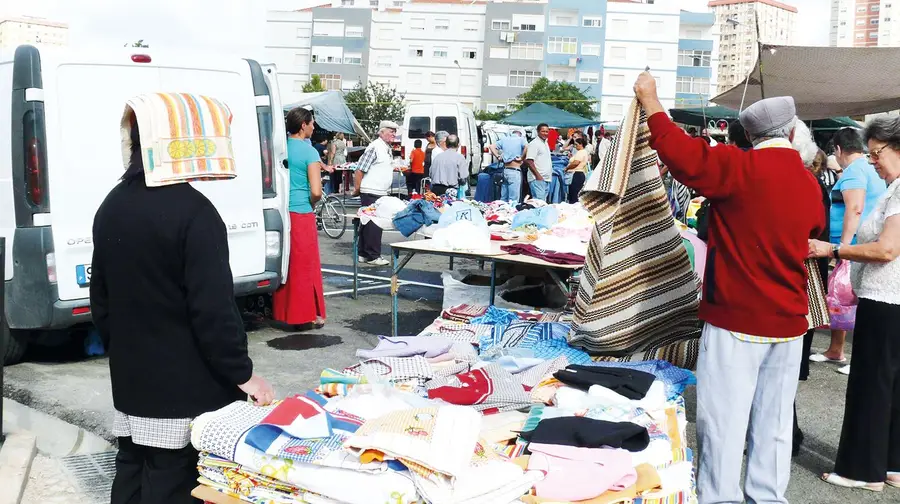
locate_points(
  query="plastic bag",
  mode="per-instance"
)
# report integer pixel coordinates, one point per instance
(841, 299)
(458, 292)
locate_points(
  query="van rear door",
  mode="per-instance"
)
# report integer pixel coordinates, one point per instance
(282, 177)
(84, 103)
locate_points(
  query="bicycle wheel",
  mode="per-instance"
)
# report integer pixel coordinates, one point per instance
(334, 222)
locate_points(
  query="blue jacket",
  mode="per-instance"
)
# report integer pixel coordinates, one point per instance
(419, 213)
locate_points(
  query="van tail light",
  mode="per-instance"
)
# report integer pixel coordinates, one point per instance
(51, 268)
(140, 58)
(463, 150)
(266, 153)
(35, 157)
(486, 150)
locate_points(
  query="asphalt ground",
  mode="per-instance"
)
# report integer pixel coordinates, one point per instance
(60, 382)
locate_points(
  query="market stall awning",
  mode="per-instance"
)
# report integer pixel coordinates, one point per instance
(824, 81)
(538, 113)
(332, 113)
(701, 117)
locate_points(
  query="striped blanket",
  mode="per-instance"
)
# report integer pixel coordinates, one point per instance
(184, 137)
(638, 294)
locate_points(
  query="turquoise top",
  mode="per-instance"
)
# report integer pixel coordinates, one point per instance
(300, 154)
(858, 175)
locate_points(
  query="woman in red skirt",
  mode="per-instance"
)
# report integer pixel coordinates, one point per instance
(300, 302)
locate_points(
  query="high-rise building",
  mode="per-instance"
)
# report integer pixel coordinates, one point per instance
(34, 31)
(865, 23)
(742, 25)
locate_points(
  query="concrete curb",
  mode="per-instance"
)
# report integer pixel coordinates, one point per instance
(55, 437)
(16, 455)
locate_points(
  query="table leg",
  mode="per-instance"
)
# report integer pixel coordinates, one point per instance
(493, 280)
(451, 263)
(395, 302)
(563, 286)
(355, 259)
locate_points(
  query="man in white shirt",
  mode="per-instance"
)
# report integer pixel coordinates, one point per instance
(540, 166)
(441, 139)
(373, 179)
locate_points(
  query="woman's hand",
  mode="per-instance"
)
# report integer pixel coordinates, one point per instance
(259, 390)
(818, 248)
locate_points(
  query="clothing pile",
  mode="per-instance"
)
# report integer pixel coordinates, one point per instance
(484, 406)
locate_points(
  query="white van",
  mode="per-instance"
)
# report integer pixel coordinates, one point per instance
(454, 118)
(60, 154)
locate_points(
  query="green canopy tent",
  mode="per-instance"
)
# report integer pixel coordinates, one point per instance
(538, 113)
(695, 117)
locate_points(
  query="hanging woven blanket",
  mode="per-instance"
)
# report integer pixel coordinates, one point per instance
(638, 293)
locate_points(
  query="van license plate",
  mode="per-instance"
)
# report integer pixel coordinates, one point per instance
(83, 275)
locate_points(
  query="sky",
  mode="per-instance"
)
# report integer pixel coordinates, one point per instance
(239, 24)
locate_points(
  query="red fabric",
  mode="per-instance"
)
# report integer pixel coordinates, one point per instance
(301, 299)
(417, 161)
(553, 139)
(546, 255)
(765, 205)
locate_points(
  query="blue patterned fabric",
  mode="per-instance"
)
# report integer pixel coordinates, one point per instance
(545, 340)
(675, 378)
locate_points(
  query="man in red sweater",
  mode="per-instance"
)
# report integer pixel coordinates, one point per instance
(764, 207)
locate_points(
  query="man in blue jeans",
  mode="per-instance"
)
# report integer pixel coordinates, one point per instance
(511, 149)
(540, 166)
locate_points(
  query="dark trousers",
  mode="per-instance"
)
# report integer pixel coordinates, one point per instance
(870, 438)
(414, 183)
(440, 189)
(578, 179)
(146, 475)
(370, 234)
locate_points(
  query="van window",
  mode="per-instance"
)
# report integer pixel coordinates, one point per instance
(418, 126)
(446, 123)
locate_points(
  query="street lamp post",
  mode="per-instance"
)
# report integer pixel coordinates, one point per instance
(458, 80)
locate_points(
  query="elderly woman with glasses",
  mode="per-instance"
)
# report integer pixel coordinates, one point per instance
(869, 451)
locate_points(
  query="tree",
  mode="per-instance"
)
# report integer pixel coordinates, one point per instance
(562, 95)
(374, 103)
(139, 43)
(314, 85)
(484, 115)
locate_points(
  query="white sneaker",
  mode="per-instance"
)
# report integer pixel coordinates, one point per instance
(378, 262)
(845, 370)
(361, 259)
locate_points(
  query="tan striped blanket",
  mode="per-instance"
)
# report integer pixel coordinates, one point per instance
(638, 293)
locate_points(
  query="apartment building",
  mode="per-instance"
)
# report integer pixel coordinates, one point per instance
(698, 59)
(385, 50)
(288, 43)
(865, 23)
(35, 31)
(738, 22)
(339, 47)
(638, 35)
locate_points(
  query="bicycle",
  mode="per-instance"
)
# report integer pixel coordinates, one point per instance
(331, 216)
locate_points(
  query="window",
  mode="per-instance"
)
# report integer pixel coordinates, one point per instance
(417, 24)
(619, 26)
(696, 85)
(386, 34)
(860, 22)
(693, 34)
(875, 8)
(657, 27)
(523, 78)
(438, 79)
(418, 126)
(527, 22)
(873, 35)
(860, 35)
(414, 78)
(301, 59)
(332, 82)
(695, 58)
(354, 32)
(495, 107)
(328, 29)
(440, 52)
(304, 32)
(589, 77)
(467, 80)
(654, 54)
(349, 85)
(446, 123)
(498, 24)
(874, 22)
(617, 80)
(526, 51)
(563, 18)
(373, 3)
(469, 53)
(561, 74)
(416, 52)
(327, 54)
(499, 52)
(618, 53)
(441, 24)
(470, 25)
(562, 45)
(592, 22)
(497, 80)
(383, 62)
(353, 59)
(615, 109)
(347, 3)
(590, 49)
(861, 8)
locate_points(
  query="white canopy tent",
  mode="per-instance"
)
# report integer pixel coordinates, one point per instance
(824, 81)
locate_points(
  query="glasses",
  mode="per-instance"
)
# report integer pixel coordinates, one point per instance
(876, 154)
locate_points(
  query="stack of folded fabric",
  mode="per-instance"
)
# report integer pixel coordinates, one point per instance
(486, 406)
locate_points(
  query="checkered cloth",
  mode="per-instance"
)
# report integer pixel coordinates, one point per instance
(165, 433)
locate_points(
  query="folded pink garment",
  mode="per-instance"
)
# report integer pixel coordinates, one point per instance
(573, 474)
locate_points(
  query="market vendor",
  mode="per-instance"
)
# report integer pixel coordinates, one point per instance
(766, 205)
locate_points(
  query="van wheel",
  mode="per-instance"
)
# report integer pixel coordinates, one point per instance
(14, 343)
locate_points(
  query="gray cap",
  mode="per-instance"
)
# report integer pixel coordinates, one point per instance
(769, 115)
(388, 125)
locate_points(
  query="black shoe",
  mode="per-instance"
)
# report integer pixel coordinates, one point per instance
(798, 440)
